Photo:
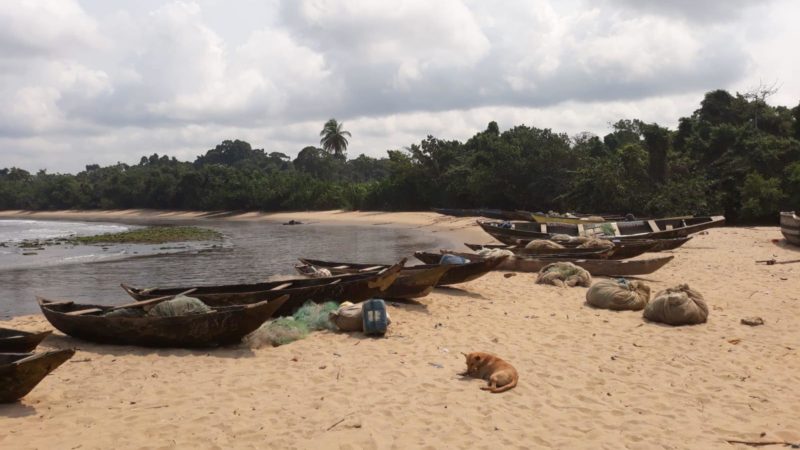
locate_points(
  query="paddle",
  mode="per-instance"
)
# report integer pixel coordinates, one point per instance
(139, 304)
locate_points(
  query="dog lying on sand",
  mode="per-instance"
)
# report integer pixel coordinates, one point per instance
(501, 375)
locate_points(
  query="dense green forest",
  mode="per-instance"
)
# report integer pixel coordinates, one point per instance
(735, 155)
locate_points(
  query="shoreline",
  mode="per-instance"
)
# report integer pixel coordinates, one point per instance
(456, 229)
(589, 378)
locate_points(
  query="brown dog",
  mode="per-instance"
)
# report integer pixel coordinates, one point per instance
(501, 375)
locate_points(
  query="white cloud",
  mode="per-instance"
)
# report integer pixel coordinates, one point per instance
(95, 82)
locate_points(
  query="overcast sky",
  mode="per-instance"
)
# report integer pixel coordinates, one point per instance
(101, 81)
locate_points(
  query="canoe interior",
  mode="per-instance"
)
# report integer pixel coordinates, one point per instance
(21, 372)
(20, 341)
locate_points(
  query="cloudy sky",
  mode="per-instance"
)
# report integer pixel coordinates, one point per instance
(101, 81)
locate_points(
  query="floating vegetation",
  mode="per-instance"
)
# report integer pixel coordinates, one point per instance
(151, 235)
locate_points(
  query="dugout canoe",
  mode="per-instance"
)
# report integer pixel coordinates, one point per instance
(623, 248)
(21, 372)
(413, 282)
(790, 227)
(223, 326)
(510, 232)
(18, 341)
(600, 267)
(457, 273)
(354, 288)
(585, 253)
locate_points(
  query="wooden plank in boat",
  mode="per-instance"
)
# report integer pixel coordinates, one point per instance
(281, 286)
(338, 280)
(581, 230)
(367, 269)
(343, 266)
(653, 225)
(83, 311)
(543, 227)
(616, 228)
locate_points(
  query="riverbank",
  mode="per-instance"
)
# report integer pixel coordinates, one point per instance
(588, 378)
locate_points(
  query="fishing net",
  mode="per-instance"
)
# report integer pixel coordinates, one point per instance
(618, 295)
(179, 306)
(318, 272)
(310, 317)
(538, 244)
(495, 252)
(125, 312)
(597, 243)
(679, 305)
(564, 274)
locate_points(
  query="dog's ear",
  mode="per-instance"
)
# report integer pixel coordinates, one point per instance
(465, 355)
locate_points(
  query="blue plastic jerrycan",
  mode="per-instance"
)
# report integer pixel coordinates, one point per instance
(374, 316)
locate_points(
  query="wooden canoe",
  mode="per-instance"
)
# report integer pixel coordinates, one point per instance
(224, 325)
(499, 214)
(17, 341)
(413, 282)
(623, 248)
(790, 227)
(354, 288)
(457, 273)
(603, 267)
(21, 372)
(509, 233)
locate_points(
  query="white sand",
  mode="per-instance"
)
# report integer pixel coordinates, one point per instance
(588, 378)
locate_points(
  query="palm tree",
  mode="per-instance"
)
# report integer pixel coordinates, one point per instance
(333, 138)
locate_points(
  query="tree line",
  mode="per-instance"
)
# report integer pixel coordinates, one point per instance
(735, 155)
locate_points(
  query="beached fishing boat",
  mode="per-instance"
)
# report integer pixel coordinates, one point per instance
(510, 233)
(354, 288)
(17, 341)
(623, 248)
(600, 267)
(413, 282)
(456, 273)
(572, 218)
(790, 227)
(21, 372)
(222, 326)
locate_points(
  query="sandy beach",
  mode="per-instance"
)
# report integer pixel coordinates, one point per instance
(589, 378)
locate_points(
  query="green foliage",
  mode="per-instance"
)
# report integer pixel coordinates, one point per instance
(150, 235)
(735, 155)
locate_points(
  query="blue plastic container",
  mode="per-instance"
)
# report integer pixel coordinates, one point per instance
(452, 259)
(374, 317)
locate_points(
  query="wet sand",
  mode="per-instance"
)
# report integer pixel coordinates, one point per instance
(588, 378)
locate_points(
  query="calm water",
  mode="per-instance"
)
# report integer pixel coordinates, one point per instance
(251, 251)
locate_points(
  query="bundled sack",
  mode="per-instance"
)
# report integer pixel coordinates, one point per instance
(618, 295)
(679, 305)
(318, 272)
(539, 244)
(350, 317)
(567, 239)
(564, 274)
(494, 252)
(179, 306)
(597, 243)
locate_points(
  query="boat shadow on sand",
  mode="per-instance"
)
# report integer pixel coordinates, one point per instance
(87, 348)
(458, 292)
(785, 245)
(16, 410)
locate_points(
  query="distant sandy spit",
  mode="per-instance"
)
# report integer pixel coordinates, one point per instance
(589, 378)
(461, 228)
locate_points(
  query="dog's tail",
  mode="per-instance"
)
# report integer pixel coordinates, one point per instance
(506, 387)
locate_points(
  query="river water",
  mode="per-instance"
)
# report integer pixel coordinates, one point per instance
(250, 251)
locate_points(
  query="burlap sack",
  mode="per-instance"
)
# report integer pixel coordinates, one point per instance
(349, 317)
(679, 305)
(618, 295)
(564, 274)
(537, 244)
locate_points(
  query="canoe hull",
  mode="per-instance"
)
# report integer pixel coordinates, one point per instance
(223, 326)
(354, 288)
(20, 373)
(600, 267)
(16, 341)
(790, 227)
